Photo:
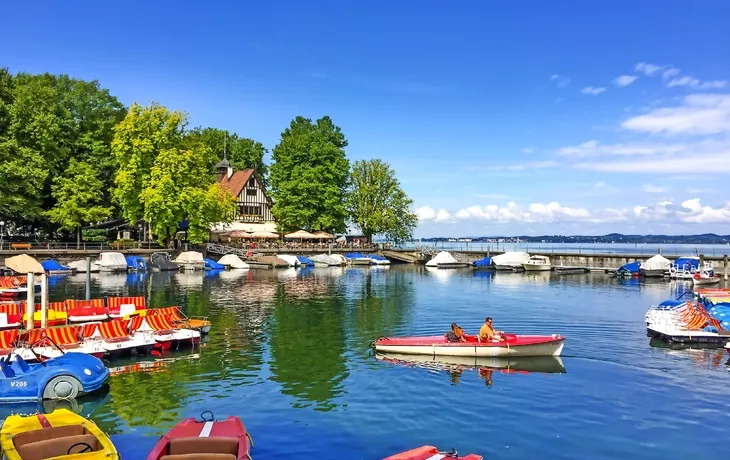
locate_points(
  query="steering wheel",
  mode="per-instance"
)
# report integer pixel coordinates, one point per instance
(86, 448)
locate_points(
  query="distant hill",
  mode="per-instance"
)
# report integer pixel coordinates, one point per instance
(705, 238)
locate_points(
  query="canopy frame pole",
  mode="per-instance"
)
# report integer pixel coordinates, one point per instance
(44, 300)
(30, 305)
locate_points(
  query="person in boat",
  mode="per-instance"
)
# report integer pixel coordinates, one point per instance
(456, 334)
(487, 332)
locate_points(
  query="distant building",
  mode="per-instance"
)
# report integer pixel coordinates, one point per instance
(253, 213)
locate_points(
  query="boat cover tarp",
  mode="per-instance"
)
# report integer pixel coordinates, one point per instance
(211, 264)
(80, 266)
(485, 262)
(325, 259)
(162, 261)
(511, 258)
(233, 261)
(355, 255)
(632, 267)
(721, 312)
(53, 266)
(291, 260)
(377, 257)
(692, 263)
(442, 257)
(658, 262)
(24, 264)
(190, 257)
(112, 259)
(136, 262)
(305, 261)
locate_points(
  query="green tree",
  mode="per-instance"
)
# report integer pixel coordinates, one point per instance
(138, 140)
(309, 176)
(377, 204)
(241, 152)
(165, 179)
(79, 197)
(22, 175)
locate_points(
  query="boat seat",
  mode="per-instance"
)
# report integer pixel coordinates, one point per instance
(199, 457)
(56, 447)
(209, 445)
(22, 364)
(27, 437)
(6, 370)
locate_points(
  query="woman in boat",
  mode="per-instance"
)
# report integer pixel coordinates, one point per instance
(456, 334)
(487, 332)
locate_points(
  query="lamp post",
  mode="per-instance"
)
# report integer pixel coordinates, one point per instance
(2, 232)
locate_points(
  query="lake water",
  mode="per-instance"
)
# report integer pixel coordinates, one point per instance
(289, 353)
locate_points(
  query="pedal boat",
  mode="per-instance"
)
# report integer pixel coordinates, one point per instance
(58, 435)
(209, 439)
(430, 453)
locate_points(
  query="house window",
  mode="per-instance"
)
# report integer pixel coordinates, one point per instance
(250, 192)
(250, 210)
(252, 182)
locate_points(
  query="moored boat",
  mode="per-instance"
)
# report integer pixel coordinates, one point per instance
(513, 345)
(704, 278)
(161, 261)
(211, 264)
(537, 264)
(483, 264)
(358, 258)
(136, 263)
(655, 266)
(112, 262)
(431, 453)
(80, 266)
(190, 260)
(61, 434)
(52, 267)
(207, 438)
(379, 260)
(233, 262)
(293, 261)
(510, 260)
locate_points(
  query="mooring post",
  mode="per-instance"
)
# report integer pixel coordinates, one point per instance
(724, 265)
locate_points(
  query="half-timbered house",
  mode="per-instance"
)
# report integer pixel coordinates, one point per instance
(253, 210)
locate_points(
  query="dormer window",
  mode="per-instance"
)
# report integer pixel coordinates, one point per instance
(252, 182)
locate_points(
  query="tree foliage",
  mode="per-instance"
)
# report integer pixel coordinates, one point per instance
(79, 197)
(164, 179)
(309, 176)
(47, 120)
(242, 153)
(22, 175)
(377, 204)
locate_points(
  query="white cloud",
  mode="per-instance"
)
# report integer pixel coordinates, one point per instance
(592, 90)
(689, 211)
(528, 150)
(670, 72)
(425, 213)
(624, 80)
(648, 69)
(560, 80)
(698, 191)
(692, 82)
(698, 114)
(649, 188)
(599, 184)
(643, 157)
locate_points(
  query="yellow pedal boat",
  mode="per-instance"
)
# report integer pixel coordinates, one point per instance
(60, 435)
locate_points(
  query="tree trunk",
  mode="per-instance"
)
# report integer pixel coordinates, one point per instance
(78, 237)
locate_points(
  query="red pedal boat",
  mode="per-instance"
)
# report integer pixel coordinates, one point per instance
(430, 453)
(205, 439)
(513, 345)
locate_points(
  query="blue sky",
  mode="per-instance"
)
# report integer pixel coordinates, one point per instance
(499, 117)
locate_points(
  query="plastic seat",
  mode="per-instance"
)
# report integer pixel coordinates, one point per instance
(22, 364)
(55, 447)
(199, 457)
(6, 370)
(209, 445)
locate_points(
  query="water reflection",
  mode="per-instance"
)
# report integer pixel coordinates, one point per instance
(701, 355)
(485, 367)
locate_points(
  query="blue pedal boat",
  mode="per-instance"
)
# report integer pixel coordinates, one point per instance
(65, 377)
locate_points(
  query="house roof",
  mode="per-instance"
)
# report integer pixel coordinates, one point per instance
(236, 182)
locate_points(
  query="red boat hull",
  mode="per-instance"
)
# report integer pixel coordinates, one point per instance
(429, 453)
(513, 345)
(193, 437)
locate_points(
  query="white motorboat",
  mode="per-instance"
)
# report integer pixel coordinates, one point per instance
(190, 260)
(80, 266)
(656, 266)
(233, 262)
(511, 260)
(443, 257)
(379, 260)
(111, 262)
(538, 264)
(324, 260)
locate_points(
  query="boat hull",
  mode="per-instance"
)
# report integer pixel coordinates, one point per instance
(656, 273)
(705, 281)
(508, 267)
(537, 267)
(520, 345)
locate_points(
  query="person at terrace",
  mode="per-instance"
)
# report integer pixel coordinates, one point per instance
(487, 332)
